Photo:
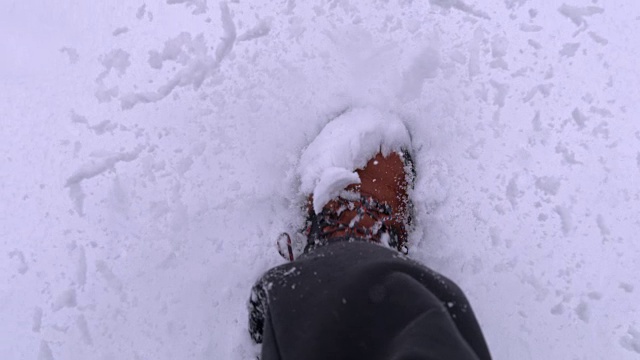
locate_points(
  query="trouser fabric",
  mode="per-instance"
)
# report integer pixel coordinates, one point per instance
(358, 300)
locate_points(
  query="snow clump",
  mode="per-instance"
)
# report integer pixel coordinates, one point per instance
(345, 144)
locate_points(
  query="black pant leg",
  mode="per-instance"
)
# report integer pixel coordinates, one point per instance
(362, 301)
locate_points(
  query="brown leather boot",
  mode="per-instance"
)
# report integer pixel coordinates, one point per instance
(377, 210)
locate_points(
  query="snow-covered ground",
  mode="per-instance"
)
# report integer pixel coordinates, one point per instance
(149, 153)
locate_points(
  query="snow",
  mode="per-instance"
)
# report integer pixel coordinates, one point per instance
(119, 31)
(117, 59)
(200, 6)
(199, 64)
(22, 265)
(72, 53)
(93, 169)
(261, 29)
(460, 5)
(569, 50)
(577, 14)
(228, 34)
(66, 299)
(354, 137)
(37, 319)
(81, 322)
(141, 11)
(631, 341)
(145, 177)
(45, 352)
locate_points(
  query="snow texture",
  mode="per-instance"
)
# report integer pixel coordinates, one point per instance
(631, 341)
(345, 144)
(151, 154)
(261, 29)
(460, 5)
(577, 14)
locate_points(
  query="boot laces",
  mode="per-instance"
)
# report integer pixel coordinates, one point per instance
(332, 223)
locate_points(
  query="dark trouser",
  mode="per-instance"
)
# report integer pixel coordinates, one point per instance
(356, 300)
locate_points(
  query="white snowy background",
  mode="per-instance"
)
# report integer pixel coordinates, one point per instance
(148, 154)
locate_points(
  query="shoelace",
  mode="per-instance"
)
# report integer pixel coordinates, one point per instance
(323, 228)
(329, 222)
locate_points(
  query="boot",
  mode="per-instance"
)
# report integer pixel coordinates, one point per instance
(358, 172)
(376, 210)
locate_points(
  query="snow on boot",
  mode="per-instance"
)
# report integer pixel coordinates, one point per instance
(376, 209)
(356, 173)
